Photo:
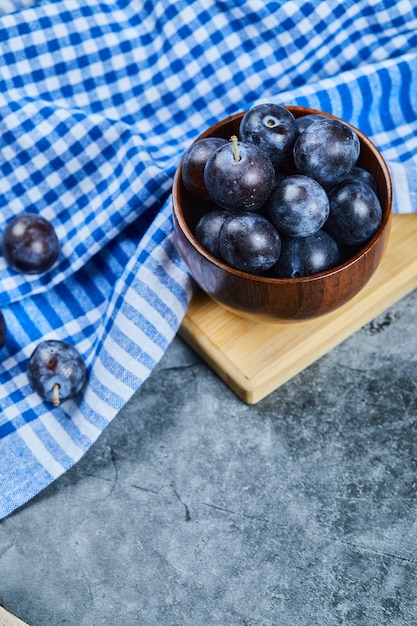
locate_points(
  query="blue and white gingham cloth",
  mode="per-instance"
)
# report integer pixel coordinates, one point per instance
(98, 101)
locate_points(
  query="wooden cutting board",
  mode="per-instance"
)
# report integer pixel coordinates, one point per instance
(254, 359)
(7, 619)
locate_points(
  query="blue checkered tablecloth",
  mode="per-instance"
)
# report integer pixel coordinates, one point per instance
(98, 101)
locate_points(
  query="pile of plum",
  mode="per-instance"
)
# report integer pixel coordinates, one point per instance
(286, 197)
(56, 370)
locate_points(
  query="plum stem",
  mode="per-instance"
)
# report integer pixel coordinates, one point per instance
(55, 395)
(236, 154)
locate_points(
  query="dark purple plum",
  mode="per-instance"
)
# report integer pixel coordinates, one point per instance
(355, 213)
(30, 244)
(306, 120)
(208, 229)
(273, 129)
(56, 371)
(3, 330)
(239, 176)
(326, 150)
(298, 206)
(194, 161)
(304, 256)
(249, 242)
(359, 173)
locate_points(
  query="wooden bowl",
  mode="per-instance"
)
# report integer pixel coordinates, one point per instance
(276, 300)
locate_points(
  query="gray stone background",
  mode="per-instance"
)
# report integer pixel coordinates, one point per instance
(195, 509)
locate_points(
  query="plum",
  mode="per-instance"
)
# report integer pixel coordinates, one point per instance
(30, 244)
(298, 206)
(273, 129)
(249, 242)
(207, 230)
(327, 150)
(239, 176)
(56, 371)
(355, 213)
(194, 161)
(304, 256)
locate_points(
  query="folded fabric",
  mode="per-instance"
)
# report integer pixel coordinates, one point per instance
(98, 101)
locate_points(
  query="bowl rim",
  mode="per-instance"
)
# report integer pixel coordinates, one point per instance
(318, 276)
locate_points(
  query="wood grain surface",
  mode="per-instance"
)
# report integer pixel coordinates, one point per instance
(254, 359)
(7, 619)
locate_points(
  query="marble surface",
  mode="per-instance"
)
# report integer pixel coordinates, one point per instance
(195, 509)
